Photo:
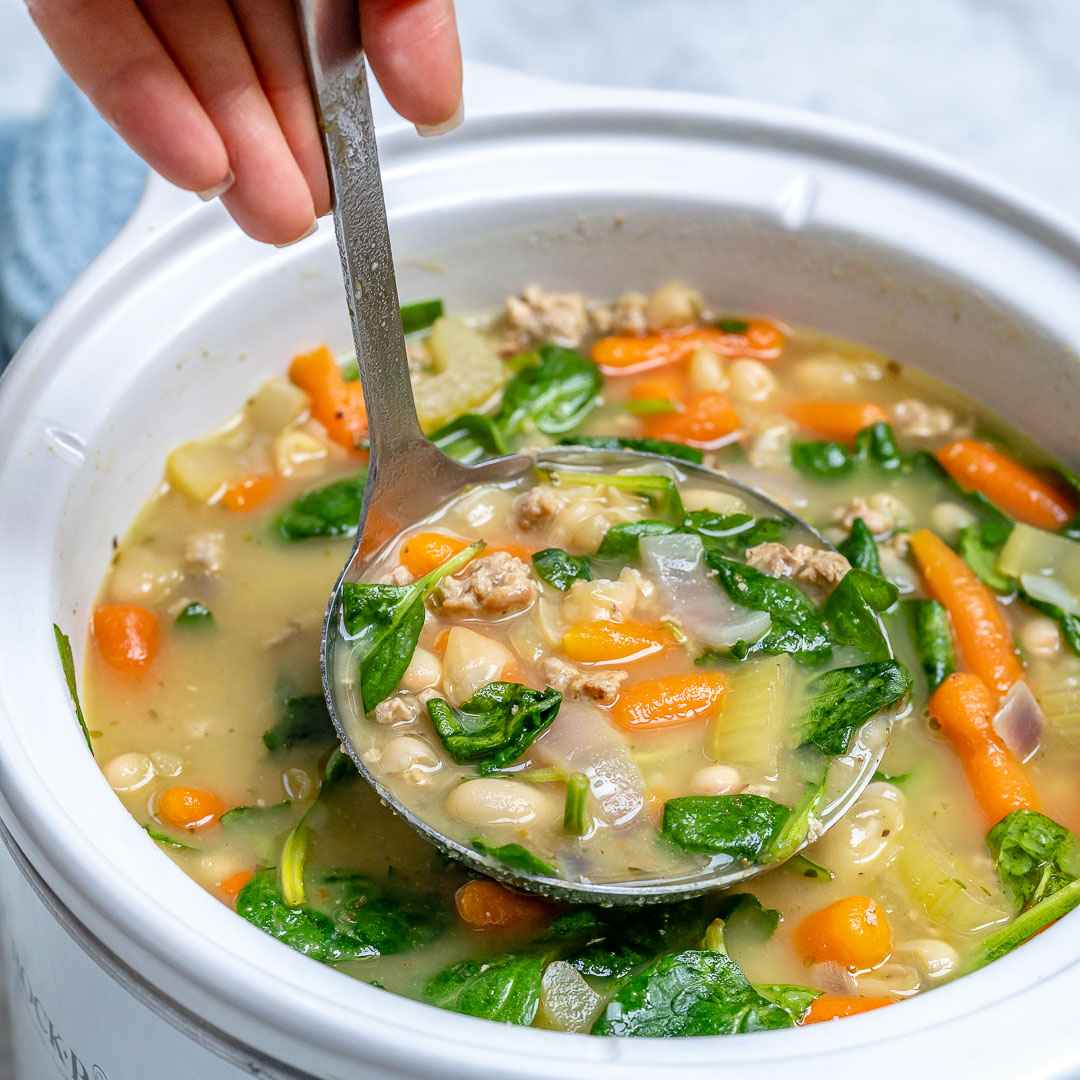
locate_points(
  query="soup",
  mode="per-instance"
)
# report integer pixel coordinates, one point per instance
(203, 701)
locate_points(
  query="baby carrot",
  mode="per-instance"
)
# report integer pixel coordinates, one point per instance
(232, 885)
(837, 420)
(337, 405)
(246, 494)
(1022, 494)
(670, 700)
(420, 554)
(828, 1007)
(964, 708)
(189, 808)
(706, 418)
(487, 905)
(622, 354)
(978, 623)
(852, 932)
(602, 642)
(126, 636)
(662, 387)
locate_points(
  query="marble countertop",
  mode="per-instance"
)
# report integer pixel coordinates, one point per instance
(994, 82)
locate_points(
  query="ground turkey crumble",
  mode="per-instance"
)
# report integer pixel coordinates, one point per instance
(599, 686)
(496, 584)
(803, 563)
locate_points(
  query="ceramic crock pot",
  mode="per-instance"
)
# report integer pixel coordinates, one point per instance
(119, 967)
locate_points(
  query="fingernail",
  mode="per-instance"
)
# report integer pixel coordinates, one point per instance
(427, 130)
(218, 189)
(303, 236)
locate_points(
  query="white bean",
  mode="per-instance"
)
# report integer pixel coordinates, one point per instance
(672, 305)
(298, 785)
(716, 780)
(603, 599)
(708, 499)
(129, 772)
(1040, 636)
(750, 380)
(142, 576)
(494, 801)
(706, 370)
(890, 980)
(299, 453)
(424, 670)
(411, 757)
(167, 764)
(470, 660)
(947, 519)
(935, 960)
(869, 830)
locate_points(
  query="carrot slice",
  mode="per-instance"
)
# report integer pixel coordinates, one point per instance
(246, 494)
(705, 420)
(189, 808)
(420, 554)
(603, 642)
(1022, 494)
(487, 905)
(670, 700)
(828, 1007)
(337, 405)
(232, 885)
(964, 708)
(976, 616)
(622, 354)
(663, 387)
(852, 932)
(126, 637)
(837, 420)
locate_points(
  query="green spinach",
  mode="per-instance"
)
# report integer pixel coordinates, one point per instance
(931, 634)
(822, 460)
(575, 809)
(842, 700)
(645, 446)
(807, 868)
(794, 1000)
(303, 720)
(860, 549)
(1034, 855)
(851, 612)
(516, 856)
(471, 438)
(1068, 623)
(162, 837)
(195, 615)
(496, 725)
(874, 445)
(796, 827)
(622, 541)
(553, 395)
(330, 510)
(732, 534)
(503, 988)
(560, 569)
(979, 546)
(420, 315)
(384, 624)
(739, 826)
(877, 444)
(67, 664)
(731, 325)
(746, 910)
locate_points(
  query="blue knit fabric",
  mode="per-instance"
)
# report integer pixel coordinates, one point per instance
(67, 185)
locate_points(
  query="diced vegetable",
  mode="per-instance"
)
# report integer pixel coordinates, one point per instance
(625, 354)
(839, 421)
(739, 826)
(337, 405)
(852, 932)
(496, 725)
(487, 905)
(232, 885)
(755, 721)
(670, 700)
(201, 469)
(466, 373)
(330, 510)
(1019, 492)
(567, 1001)
(126, 636)
(553, 395)
(248, 493)
(660, 492)
(185, 807)
(932, 638)
(1036, 553)
(706, 419)
(1019, 721)
(424, 552)
(964, 709)
(828, 1007)
(977, 621)
(1059, 698)
(608, 642)
(575, 812)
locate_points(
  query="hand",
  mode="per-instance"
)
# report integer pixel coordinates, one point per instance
(213, 94)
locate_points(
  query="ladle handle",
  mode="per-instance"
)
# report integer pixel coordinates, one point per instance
(330, 30)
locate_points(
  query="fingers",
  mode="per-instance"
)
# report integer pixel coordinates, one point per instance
(270, 199)
(273, 39)
(116, 59)
(412, 46)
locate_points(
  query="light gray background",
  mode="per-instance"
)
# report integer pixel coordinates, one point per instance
(995, 82)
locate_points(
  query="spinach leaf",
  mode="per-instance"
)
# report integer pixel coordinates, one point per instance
(732, 534)
(552, 395)
(356, 917)
(575, 812)
(842, 700)
(877, 444)
(797, 826)
(560, 569)
(1025, 925)
(420, 315)
(979, 546)
(1034, 855)
(891, 778)
(243, 815)
(162, 837)
(807, 868)
(471, 438)
(504, 988)
(516, 856)
(728, 325)
(796, 627)
(645, 446)
(695, 992)
(67, 663)
(860, 549)
(794, 1000)
(330, 510)
(1068, 623)
(195, 615)
(613, 942)
(739, 826)
(851, 612)
(746, 909)
(303, 720)
(496, 725)
(823, 460)
(384, 623)
(931, 635)
(622, 541)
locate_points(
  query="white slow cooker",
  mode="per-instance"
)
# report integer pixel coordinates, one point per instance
(120, 967)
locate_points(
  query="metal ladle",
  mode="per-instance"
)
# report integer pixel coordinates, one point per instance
(408, 477)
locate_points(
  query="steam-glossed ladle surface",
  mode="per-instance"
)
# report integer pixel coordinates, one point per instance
(409, 479)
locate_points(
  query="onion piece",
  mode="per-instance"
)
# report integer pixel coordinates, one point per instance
(567, 1001)
(698, 604)
(1020, 721)
(829, 976)
(1050, 591)
(582, 740)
